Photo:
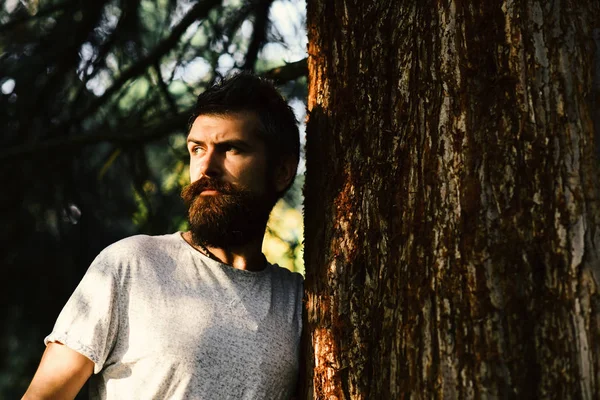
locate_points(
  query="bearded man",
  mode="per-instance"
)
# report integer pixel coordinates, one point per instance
(199, 314)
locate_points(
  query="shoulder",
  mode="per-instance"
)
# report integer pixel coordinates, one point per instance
(286, 275)
(139, 245)
(292, 282)
(134, 251)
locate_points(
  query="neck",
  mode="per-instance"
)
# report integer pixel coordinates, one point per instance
(246, 257)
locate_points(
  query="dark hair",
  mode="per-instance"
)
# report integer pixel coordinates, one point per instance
(245, 92)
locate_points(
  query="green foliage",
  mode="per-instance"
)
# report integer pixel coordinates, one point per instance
(283, 243)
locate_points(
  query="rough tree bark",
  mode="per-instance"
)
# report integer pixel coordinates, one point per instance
(452, 200)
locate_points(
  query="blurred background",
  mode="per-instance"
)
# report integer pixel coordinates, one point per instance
(94, 101)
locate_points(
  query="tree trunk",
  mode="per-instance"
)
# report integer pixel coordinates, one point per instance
(452, 200)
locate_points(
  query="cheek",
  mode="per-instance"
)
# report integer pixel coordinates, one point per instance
(195, 171)
(193, 175)
(252, 175)
(241, 168)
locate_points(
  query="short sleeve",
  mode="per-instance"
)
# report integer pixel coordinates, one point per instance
(88, 323)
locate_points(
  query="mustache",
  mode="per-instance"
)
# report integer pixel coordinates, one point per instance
(195, 188)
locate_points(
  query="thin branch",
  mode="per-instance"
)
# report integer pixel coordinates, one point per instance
(65, 62)
(66, 144)
(41, 13)
(199, 11)
(288, 72)
(236, 20)
(164, 89)
(150, 132)
(128, 16)
(259, 33)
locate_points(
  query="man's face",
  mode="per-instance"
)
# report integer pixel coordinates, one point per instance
(227, 149)
(230, 197)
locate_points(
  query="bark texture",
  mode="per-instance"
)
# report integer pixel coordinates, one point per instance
(452, 200)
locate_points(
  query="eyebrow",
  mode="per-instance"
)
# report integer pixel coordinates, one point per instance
(235, 142)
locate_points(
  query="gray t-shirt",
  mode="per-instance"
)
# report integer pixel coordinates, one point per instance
(162, 321)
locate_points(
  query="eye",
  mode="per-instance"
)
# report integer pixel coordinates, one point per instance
(233, 149)
(195, 150)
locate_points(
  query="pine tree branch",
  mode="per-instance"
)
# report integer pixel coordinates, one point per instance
(40, 14)
(288, 72)
(259, 33)
(67, 144)
(177, 122)
(199, 11)
(164, 89)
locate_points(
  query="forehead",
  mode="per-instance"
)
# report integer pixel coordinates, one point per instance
(225, 127)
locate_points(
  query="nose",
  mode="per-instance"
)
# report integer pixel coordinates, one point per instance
(209, 164)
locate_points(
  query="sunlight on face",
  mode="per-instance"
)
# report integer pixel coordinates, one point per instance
(227, 148)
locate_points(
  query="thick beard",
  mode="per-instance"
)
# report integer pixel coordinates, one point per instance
(233, 217)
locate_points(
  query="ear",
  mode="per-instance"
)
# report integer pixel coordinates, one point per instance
(285, 173)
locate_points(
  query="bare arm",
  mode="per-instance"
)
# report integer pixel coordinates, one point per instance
(60, 375)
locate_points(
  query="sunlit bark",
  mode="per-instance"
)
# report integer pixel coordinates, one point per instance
(452, 215)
